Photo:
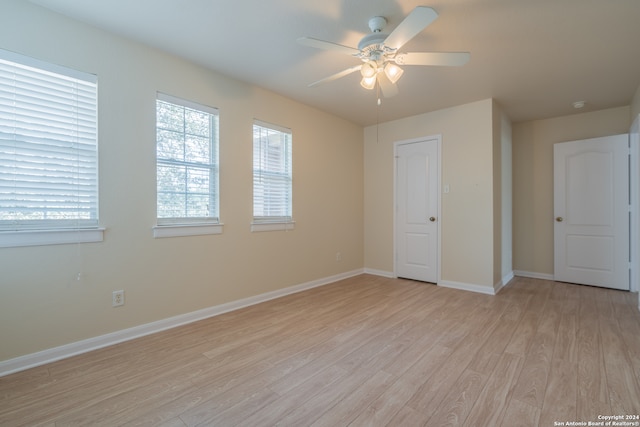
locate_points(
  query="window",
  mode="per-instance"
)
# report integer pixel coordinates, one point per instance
(272, 177)
(187, 168)
(48, 153)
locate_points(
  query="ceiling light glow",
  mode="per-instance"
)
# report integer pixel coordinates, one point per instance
(368, 82)
(393, 72)
(369, 69)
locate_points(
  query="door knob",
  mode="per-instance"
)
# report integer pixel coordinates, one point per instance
(559, 219)
(432, 219)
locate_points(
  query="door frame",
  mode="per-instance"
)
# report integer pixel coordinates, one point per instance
(634, 193)
(438, 139)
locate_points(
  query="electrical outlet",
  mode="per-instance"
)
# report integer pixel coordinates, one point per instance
(117, 298)
(338, 256)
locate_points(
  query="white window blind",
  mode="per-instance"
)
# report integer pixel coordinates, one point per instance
(187, 162)
(272, 173)
(48, 146)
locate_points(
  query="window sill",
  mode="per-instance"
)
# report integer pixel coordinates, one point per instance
(13, 239)
(272, 226)
(162, 231)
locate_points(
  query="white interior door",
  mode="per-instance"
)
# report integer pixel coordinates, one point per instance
(591, 204)
(416, 217)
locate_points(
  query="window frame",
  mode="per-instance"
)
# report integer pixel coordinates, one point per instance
(80, 86)
(191, 225)
(275, 222)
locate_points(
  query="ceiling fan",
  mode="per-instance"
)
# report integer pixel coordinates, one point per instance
(380, 55)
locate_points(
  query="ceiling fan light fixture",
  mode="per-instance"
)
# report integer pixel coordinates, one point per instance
(393, 72)
(380, 52)
(369, 69)
(368, 82)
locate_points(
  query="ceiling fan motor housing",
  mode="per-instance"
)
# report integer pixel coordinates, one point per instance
(372, 47)
(377, 24)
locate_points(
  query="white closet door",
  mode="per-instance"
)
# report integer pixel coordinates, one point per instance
(591, 204)
(417, 210)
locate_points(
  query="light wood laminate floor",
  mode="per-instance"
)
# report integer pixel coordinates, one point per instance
(365, 351)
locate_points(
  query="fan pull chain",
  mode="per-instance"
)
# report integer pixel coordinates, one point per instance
(378, 113)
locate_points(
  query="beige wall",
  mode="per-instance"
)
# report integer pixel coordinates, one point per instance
(467, 210)
(502, 196)
(533, 179)
(41, 303)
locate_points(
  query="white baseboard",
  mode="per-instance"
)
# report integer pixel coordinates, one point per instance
(388, 274)
(455, 285)
(64, 351)
(502, 283)
(533, 275)
(489, 290)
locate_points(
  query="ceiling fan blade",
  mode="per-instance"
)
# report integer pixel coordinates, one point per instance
(432, 58)
(388, 89)
(336, 76)
(415, 22)
(321, 44)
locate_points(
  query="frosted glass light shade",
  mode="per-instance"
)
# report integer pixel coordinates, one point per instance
(393, 72)
(368, 69)
(368, 82)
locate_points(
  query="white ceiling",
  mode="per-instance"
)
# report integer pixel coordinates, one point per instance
(535, 57)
